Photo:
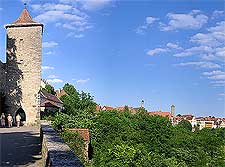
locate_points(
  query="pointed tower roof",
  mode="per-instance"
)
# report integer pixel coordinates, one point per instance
(24, 20)
(24, 17)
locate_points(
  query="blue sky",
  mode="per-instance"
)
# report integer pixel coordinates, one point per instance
(164, 52)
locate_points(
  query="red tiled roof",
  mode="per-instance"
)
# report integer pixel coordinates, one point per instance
(98, 107)
(189, 117)
(119, 108)
(50, 97)
(60, 93)
(49, 104)
(108, 108)
(24, 17)
(163, 114)
(184, 117)
(83, 132)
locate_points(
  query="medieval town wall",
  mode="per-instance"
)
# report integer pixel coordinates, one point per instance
(55, 152)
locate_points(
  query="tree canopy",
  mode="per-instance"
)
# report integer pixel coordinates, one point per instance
(125, 139)
(49, 89)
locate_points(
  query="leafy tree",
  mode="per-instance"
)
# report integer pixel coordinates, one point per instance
(126, 108)
(70, 89)
(75, 101)
(185, 125)
(49, 89)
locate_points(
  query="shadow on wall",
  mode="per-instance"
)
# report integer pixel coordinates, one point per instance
(20, 148)
(2, 102)
(14, 75)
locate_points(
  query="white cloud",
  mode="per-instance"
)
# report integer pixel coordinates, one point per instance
(215, 75)
(217, 13)
(49, 44)
(148, 22)
(168, 48)
(218, 83)
(89, 4)
(192, 20)
(77, 26)
(47, 68)
(221, 94)
(52, 76)
(51, 6)
(55, 80)
(173, 46)
(25, 1)
(94, 4)
(78, 36)
(49, 53)
(156, 51)
(83, 81)
(75, 35)
(210, 39)
(66, 16)
(196, 50)
(217, 72)
(210, 46)
(200, 64)
(54, 16)
(66, 1)
(214, 37)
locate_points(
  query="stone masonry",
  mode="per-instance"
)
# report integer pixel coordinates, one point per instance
(2, 76)
(2, 85)
(23, 68)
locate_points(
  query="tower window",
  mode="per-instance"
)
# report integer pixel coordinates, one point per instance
(21, 42)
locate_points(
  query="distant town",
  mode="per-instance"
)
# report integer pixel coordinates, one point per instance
(50, 102)
(196, 122)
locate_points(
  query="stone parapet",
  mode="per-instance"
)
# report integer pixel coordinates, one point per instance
(55, 153)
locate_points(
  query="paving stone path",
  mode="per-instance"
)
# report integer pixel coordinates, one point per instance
(20, 147)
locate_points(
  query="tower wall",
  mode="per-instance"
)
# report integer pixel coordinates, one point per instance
(24, 50)
(2, 86)
(2, 77)
(172, 110)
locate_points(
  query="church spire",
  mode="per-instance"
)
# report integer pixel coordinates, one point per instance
(24, 16)
(25, 5)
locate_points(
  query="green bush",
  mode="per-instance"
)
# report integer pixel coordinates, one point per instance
(75, 142)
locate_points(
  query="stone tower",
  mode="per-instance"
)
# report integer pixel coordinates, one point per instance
(142, 104)
(172, 110)
(23, 68)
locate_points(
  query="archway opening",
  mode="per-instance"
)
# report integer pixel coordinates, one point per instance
(22, 114)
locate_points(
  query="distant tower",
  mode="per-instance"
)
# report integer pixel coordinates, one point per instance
(142, 104)
(23, 66)
(172, 110)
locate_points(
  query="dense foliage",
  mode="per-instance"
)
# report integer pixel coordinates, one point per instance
(49, 89)
(70, 138)
(75, 102)
(123, 139)
(185, 124)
